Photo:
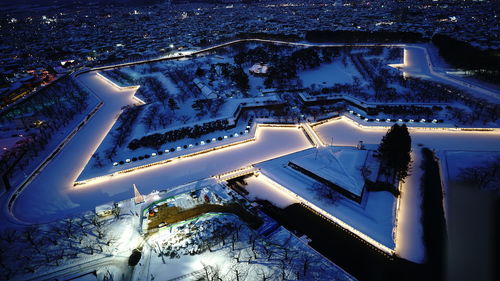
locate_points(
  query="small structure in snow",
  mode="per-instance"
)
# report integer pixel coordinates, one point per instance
(138, 198)
(258, 69)
(360, 145)
(305, 239)
(104, 210)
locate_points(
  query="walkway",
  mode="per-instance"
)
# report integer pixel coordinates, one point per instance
(409, 243)
(44, 194)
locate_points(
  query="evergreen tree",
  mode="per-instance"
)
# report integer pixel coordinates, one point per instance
(172, 104)
(395, 151)
(199, 72)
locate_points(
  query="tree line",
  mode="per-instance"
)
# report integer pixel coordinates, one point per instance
(483, 63)
(157, 140)
(55, 106)
(349, 36)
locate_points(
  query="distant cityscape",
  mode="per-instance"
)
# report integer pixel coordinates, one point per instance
(37, 48)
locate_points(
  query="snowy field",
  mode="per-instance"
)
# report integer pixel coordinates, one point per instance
(212, 252)
(91, 170)
(345, 133)
(408, 236)
(374, 217)
(416, 64)
(458, 160)
(54, 142)
(328, 74)
(68, 248)
(459, 167)
(263, 190)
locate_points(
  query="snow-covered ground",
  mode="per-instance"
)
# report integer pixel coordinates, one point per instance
(457, 160)
(374, 217)
(52, 195)
(92, 171)
(328, 74)
(68, 163)
(343, 132)
(263, 190)
(416, 63)
(181, 252)
(56, 139)
(454, 163)
(408, 237)
(68, 248)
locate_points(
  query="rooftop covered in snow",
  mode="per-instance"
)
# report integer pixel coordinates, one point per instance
(339, 168)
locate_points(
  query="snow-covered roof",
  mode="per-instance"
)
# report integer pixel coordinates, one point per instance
(340, 166)
(258, 68)
(104, 209)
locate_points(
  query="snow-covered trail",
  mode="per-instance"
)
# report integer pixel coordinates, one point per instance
(409, 244)
(409, 239)
(343, 132)
(47, 193)
(417, 63)
(52, 194)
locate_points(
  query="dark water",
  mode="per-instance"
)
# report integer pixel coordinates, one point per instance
(347, 251)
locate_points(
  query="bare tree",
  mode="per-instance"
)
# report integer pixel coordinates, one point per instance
(29, 235)
(486, 176)
(324, 192)
(210, 273)
(306, 262)
(9, 235)
(240, 272)
(184, 118)
(264, 276)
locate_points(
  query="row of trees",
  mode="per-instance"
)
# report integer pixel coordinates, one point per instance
(362, 36)
(284, 68)
(45, 247)
(485, 176)
(207, 106)
(482, 63)
(253, 256)
(414, 90)
(284, 61)
(120, 134)
(152, 90)
(157, 140)
(55, 106)
(119, 77)
(409, 111)
(234, 72)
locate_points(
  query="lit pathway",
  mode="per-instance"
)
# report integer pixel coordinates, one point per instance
(409, 243)
(417, 63)
(47, 193)
(52, 195)
(312, 135)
